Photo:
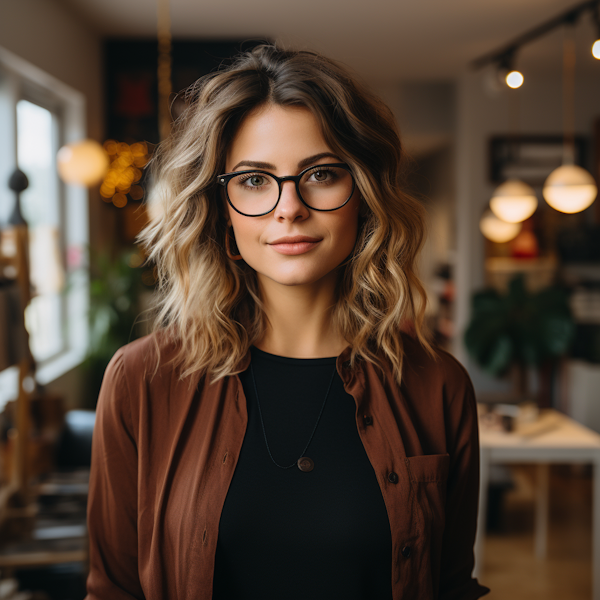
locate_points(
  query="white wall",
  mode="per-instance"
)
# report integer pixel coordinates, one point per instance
(49, 35)
(426, 116)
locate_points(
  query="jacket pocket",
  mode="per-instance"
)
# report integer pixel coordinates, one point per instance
(429, 479)
(429, 467)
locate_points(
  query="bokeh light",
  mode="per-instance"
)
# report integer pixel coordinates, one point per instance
(119, 200)
(514, 79)
(83, 163)
(126, 164)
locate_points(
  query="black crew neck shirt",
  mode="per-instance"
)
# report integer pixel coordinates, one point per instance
(294, 535)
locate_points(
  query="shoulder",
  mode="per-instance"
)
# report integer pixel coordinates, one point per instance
(440, 393)
(143, 356)
(441, 372)
(125, 385)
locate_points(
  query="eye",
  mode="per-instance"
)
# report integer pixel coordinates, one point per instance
(257, 180)
(253, 180)
(321, 175)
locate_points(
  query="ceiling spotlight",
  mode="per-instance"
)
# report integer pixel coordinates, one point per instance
(596, 49)
(514, 79)
(506, 70)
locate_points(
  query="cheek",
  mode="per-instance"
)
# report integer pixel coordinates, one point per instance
(246, 231)
(347, 229)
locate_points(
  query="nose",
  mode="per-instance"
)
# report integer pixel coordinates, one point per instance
(290, 207)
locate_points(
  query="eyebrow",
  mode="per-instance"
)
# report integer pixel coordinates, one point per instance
(306, 162)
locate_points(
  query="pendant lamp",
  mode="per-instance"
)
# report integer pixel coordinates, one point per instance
(569, 188)
(497, 230)
(513, 201)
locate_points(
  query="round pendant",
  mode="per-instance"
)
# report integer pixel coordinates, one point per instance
(306, 464)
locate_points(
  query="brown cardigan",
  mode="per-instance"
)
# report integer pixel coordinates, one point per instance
(164, 452)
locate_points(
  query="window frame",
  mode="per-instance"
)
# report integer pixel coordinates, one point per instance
(20, 80)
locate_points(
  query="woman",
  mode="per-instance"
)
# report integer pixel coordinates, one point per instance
(280, 435)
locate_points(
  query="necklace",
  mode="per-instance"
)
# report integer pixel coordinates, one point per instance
(304, 463)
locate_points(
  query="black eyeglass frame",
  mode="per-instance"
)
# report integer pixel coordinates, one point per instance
(225, 177)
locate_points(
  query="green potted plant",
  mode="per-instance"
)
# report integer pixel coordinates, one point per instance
(117, 283)
(519, 329)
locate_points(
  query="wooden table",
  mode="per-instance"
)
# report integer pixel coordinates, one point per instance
(554, 438)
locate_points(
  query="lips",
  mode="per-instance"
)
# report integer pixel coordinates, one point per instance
(296, 239)
(292, 245)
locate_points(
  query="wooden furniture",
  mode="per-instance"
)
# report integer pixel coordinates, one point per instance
(59, 534)
(553, 438)
(45, 519)
(15, 500)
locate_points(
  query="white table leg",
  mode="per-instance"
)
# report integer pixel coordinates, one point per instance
(484, 477)
(596, 530)
(541, 510)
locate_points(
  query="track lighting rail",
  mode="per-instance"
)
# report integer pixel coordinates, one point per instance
(504, 54)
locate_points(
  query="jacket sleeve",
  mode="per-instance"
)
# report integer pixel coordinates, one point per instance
(112, 500)
(462, 499)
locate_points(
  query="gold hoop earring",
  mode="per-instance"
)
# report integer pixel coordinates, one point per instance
(232, 251)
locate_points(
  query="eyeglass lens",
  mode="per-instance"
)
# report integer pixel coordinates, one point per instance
(323, 188)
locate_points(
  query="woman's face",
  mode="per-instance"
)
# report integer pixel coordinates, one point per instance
(281, 140)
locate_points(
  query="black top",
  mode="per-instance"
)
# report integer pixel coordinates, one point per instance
(285, 533)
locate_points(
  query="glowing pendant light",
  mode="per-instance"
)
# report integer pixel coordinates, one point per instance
(497, 230)
(569, 189)
(513, 201)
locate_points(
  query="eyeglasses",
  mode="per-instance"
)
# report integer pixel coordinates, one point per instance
(321, 187)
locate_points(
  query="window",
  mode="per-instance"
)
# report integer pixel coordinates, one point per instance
(38, 115)
(37, 145)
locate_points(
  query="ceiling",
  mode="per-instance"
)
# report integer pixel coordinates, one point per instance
(382, 40)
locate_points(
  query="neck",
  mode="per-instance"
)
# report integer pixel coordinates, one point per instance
(299, 319)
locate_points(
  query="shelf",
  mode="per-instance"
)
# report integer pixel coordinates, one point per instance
(539, 272)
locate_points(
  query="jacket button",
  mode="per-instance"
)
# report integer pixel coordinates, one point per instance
(368, 420)
(406, 551)
(393, 477)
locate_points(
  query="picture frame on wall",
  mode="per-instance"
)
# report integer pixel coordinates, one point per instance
(530, 158)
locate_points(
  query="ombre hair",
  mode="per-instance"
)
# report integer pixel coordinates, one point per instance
(210, 305)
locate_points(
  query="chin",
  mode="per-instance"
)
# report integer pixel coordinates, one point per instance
(296, 276)
(292, 279)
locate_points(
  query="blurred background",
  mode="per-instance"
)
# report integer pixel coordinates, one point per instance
(498, 105)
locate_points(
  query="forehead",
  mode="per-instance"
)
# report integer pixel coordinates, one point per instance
(277, 134)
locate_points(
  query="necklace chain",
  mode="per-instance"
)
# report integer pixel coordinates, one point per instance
(294, 464)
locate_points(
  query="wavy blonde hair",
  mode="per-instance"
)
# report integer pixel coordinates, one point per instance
(210, 305)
